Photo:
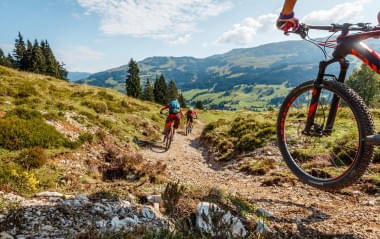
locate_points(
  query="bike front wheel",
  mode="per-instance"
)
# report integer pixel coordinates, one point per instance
(333, 160)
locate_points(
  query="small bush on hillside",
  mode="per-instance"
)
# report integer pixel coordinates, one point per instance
(86, 137)
(89, 115)
(26, 114)
(251, 133)
(98, 107)
(81, 94)
(17, 179)
(16, 134)
(32, 158)
(52, 116)
(25, 182)
(7, 91)
(115, 107)
(63, 107)
(259, 168)
(106, 123)
(105, 96)
(26, 90)
(171, 196)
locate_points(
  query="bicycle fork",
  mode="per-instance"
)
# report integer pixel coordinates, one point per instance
(316, 93)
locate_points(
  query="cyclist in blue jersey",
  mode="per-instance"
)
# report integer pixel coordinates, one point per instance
(175, 114)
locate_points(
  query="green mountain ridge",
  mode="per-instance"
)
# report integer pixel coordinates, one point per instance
(250, 78)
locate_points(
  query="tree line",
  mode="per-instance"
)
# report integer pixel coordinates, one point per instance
(36, 57)
(158, 91)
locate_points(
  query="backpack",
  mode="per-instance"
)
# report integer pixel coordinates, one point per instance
(174, 107)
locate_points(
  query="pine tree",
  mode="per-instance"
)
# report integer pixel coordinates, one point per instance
(172, 90)
(366, 83)
(29, 57)
(132, 82)
(148, 93)
(2, 57)
(182, 101)
(38, 59)
(62, 72)
(199, 105)
(19, 52)
(51, 65)
(160, 91)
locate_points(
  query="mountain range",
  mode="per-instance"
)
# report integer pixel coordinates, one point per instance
(250, 78)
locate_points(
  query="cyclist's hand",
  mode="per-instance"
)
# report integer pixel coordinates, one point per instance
(287, 23)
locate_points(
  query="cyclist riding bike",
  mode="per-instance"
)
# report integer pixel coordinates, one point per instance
(175, 114)
(190, 114)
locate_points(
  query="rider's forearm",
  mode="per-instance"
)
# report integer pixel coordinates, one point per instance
(288, 7)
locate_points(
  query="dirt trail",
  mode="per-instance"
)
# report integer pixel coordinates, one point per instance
(297, 208)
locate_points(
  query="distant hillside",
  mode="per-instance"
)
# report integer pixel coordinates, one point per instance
(214, 79)
(75, 76)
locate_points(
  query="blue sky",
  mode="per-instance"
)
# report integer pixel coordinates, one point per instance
(94, 35)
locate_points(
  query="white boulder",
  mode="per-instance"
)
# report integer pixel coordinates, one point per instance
(209, 213)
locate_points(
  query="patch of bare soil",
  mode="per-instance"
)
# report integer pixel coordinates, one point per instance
(299, 211)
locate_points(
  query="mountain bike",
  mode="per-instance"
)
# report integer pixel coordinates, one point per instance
(168, 138)
(325, 131)
(189, 127)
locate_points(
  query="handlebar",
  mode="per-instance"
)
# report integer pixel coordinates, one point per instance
(344, 28)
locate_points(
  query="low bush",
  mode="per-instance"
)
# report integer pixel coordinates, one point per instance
(86, 137)
(105, 96)
(26, 182)
(17, 179)
(171, 196)
(24, 113)
(26, 90)
(32, 158)
(258, 167)
(251, 133)
(98, 107)
(16, 134)
(243, 134)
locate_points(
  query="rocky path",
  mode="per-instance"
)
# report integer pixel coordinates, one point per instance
(298, 210)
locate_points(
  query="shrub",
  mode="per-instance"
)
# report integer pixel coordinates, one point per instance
(16, 134)
(171, 196)
(26, 90)
(260, 167)
(32, 158)
(63, 107)
(25, 114)
(104, 95)
(251, 133)
(98, 107)
(86, 137)
(89, 116)
(17, 179)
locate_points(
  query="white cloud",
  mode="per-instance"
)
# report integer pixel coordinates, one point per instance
(243, 33)
(158, 19)
(181, 40)
(345, 12)
(80, 58)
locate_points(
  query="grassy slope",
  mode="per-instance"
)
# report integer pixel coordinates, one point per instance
(77, 109)
(257, 98)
